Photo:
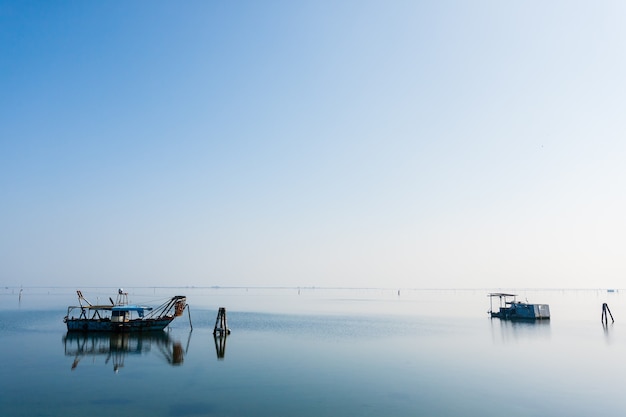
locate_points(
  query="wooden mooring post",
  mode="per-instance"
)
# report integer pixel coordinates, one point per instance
(605, 318)
(221, 328)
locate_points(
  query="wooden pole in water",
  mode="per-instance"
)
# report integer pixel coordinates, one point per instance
(189, 314)
(605, 310)
(221, 328)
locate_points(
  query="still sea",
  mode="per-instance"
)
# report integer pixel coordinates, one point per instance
(317, 352)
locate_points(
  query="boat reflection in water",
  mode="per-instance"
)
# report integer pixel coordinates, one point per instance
(513, 331)
(114, 347)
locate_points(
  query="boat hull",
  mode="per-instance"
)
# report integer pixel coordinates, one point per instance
(523, 311)
(104, 325)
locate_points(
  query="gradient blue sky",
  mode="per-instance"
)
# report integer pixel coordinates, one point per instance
(441, 144)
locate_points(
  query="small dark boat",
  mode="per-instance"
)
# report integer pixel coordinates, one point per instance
(119, 316)
(511, 309)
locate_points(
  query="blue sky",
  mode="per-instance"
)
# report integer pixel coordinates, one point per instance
(313, 143)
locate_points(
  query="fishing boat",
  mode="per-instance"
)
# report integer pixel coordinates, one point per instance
(120, 316)
(511, 309)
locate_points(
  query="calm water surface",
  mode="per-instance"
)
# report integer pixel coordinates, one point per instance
(317, 352)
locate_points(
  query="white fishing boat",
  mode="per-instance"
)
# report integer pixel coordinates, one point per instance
(120, 316)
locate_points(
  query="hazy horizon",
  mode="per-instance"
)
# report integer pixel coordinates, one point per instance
(493, 288)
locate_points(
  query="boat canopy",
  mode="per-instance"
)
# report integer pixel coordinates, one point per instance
(501, 294)
(139, 309)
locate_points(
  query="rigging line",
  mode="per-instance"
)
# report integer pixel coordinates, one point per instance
(156, 301)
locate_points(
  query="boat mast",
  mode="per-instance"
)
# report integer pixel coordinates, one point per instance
(81, 298)
(122, 298)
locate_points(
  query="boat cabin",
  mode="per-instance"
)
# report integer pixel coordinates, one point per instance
(121, 314)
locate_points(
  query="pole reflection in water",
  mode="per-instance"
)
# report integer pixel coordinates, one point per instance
(115, 347)
(220, 345)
